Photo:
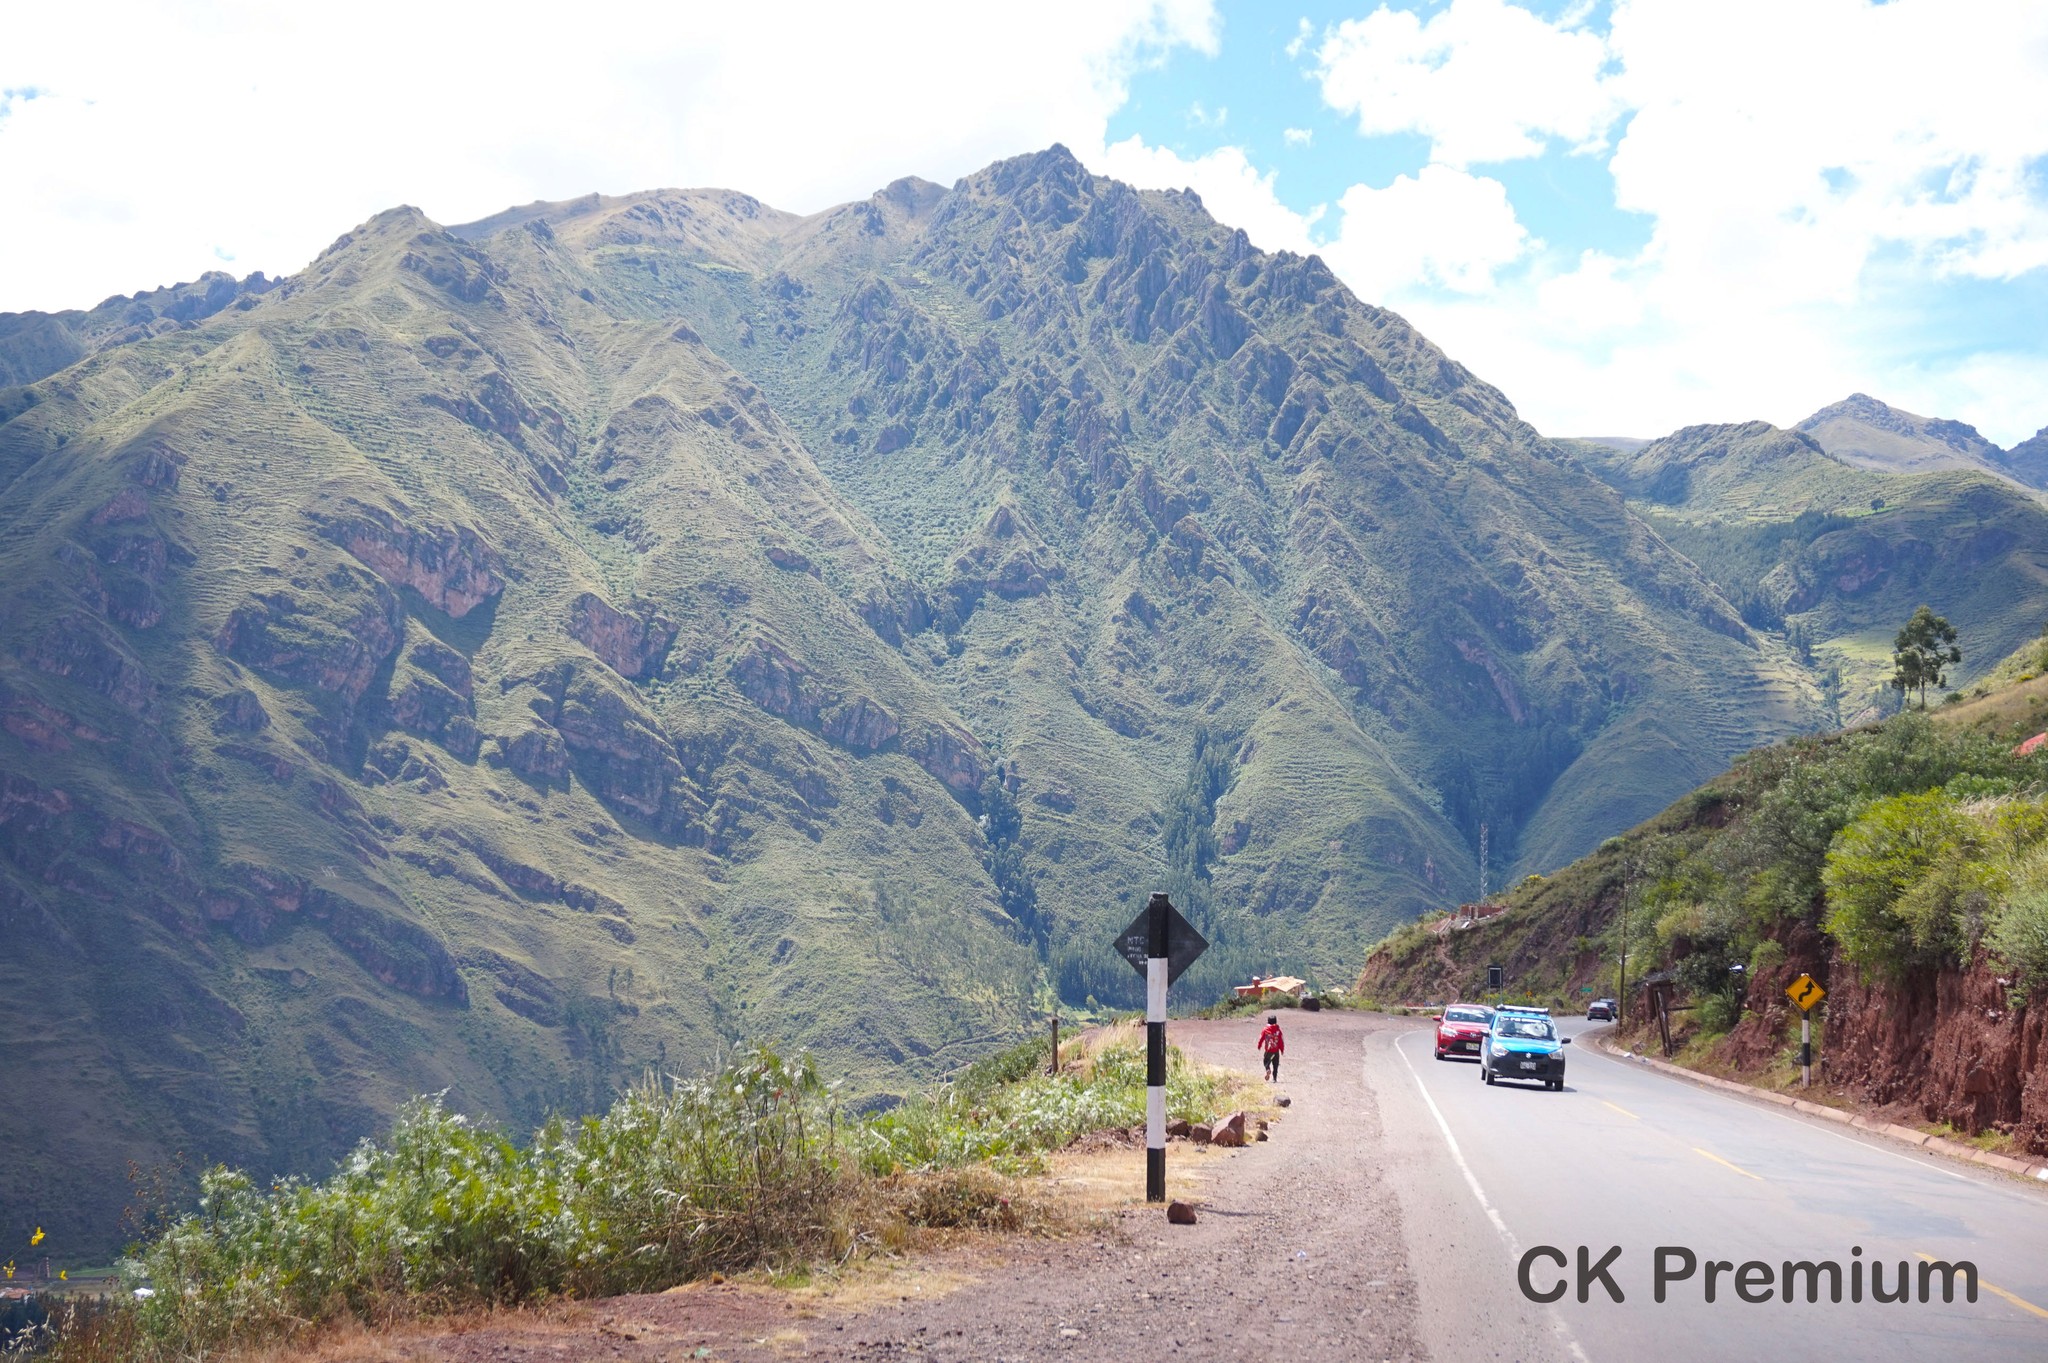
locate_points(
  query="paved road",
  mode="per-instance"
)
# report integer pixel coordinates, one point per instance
(1628, 1157)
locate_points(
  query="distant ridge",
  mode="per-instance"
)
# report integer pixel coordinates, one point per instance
(1867, 433)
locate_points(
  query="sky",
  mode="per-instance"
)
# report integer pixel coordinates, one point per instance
(1629, 216)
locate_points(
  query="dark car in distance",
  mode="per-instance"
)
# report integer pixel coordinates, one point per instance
(1461, 1030)
(1600, 1010)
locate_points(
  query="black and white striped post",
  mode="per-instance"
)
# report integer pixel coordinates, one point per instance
(1156, 911)
(1159, 944)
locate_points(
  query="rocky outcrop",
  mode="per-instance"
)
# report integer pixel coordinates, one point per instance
(631, 644)
(28, 808)
(533, 881)
(258, 902)
(1007, 556)
(768, 676)
(522, 990)
(625, 757)
(494, 406)
(895, 609)
(455, 267)
(453, 569)
(83, 650)
(956, 757)
(432, 710)
(2028, 460)
(300, 643)
(1957, 1046)
(34, 345)
(42, 726)
(157, 464)
(431, 697)
(538, 753)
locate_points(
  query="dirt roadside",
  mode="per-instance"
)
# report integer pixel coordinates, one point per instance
(1299, 1251)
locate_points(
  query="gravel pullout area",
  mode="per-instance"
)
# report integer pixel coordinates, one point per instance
(1299, 1252)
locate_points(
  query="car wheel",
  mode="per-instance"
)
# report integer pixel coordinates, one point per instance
(1485, 1073)
(1439, 1055)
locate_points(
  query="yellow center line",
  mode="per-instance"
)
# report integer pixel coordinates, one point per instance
(1718, 1160)
(2014, 1298)
(1618, 1108)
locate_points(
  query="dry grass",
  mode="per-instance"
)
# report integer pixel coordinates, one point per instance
(2022, 705)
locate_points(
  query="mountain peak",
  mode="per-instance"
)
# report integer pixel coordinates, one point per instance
(1869, 433)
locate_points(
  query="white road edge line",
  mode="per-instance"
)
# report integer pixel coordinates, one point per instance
(1472, 1182)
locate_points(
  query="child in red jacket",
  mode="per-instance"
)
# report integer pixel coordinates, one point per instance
(1273, 1045)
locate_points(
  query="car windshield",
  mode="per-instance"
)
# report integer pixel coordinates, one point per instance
(1530, 1028)
(1466, 1015)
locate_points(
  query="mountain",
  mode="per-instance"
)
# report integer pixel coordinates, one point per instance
(1835, 558)
(512, 657)
(1862, 431)
(34, 345)
(2028, 460)
(1900, 864)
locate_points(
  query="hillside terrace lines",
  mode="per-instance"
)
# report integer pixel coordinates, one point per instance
(1112, 366)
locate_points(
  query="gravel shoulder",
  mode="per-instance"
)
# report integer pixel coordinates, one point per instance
(1299, 1251)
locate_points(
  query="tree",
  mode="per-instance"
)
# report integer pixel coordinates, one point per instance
(1002, 824)
(1923, 653)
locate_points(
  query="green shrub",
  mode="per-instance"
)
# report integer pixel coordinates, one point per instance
(747, 1167)
(1716, 1013)
(737, 1169)
(2017, 933)
(1768, 955)
(1007, 1066)
(1010, 1128)
(1905, 881)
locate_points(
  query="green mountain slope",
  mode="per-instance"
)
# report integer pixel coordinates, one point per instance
(1903, 864)
(1835, 558)
(508, 658)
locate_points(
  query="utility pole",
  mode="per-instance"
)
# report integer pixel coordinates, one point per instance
(1628, 888)
(1482, 863)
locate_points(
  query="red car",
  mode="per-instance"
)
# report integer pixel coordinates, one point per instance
(1462, 1030)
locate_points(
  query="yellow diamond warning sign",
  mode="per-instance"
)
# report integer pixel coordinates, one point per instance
(1806, 992)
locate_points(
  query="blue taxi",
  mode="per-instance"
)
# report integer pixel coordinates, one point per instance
(1523, 1044)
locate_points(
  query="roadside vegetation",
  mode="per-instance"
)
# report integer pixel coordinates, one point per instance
(753, 1166)
(1908, 845)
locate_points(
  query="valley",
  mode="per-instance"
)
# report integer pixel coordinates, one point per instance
(511, 658)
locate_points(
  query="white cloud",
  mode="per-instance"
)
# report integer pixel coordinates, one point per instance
(1812, 175)
(1483, 80)
(1442, 227)
(1789, 163)
(163, 133)
(1298, 137)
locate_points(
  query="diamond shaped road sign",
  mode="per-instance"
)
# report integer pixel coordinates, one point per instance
(1806, 992)
(1183, 943)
